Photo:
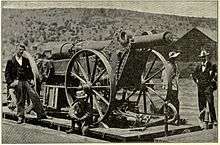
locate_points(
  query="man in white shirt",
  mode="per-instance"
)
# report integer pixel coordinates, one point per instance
(19, 76)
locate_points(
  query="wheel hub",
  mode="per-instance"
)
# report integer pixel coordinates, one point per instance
(87, 86)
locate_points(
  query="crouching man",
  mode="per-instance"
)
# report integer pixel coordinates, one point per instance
(80, 114)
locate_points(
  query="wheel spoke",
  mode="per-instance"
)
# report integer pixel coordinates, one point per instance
(101, 97)
(148, 51)
(153, 105)
(83, 71)
(94, 69)
(77, 88)
(100, 75)
(155, 93)
(156, 73)
(100, 87)
(144, 75)
(88, 66)
(124, 94)
(139, 97)
(90, 100)
(144, 100)
(78, 77)
(155, 83)
(131, 94)
(98, 107)
(155, 58)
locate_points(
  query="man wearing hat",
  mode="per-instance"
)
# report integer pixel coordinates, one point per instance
(172, 79)
(80, 113)
(19, 76)
(204, 76)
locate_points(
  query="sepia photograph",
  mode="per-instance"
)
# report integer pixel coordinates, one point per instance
(114, 71)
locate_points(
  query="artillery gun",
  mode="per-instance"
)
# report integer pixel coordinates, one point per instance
(120, 77)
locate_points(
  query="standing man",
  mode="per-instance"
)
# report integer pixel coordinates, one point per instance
(172, 89)
(205, 78)
(18, 75)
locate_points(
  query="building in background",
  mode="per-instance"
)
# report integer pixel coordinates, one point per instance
(194, 40)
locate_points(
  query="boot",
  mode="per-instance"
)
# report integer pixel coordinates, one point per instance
(20, 120)
(71, 130)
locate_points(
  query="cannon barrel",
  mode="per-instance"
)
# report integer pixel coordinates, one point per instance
(137, 42)
(152, 40)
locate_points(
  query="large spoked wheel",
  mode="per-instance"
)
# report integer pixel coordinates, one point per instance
(150, 97)
(90, 72)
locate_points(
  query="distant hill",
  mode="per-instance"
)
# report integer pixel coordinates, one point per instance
(38, 26)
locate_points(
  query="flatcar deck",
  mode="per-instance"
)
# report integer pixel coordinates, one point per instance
(136, 134)
(51, 122)
(111, 134)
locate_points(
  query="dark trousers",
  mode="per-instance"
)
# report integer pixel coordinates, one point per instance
(206, 94)
(172, 97)
(22, 90)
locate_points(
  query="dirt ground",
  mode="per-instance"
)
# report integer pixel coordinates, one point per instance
(188, 97)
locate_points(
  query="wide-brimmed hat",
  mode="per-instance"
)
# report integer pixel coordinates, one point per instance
(203, 53)
(174, 54)
(81, 94)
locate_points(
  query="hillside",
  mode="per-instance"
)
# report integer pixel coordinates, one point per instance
(60, 25)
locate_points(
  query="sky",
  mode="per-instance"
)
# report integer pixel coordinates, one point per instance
(196, 8)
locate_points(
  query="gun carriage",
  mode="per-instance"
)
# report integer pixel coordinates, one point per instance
(120, 77)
